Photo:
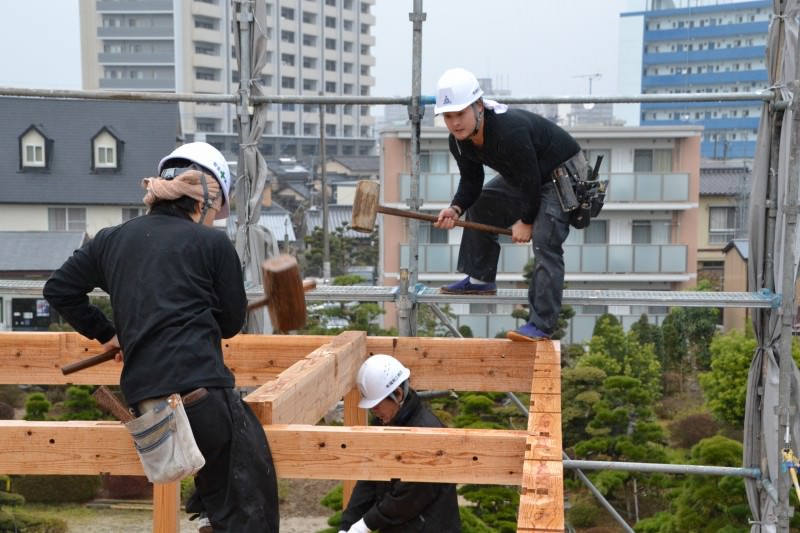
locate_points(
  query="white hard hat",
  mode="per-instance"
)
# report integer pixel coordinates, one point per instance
(208, 157)
(457, 88)
(378, 377)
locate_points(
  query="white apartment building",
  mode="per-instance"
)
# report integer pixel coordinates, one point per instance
(314, 47)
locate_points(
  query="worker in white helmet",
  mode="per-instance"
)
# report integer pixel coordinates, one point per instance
(528, 152)
(176, 291)
(396, 506)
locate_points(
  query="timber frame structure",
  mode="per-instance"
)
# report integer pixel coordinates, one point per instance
(297, 380)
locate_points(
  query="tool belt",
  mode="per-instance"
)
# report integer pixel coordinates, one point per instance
(580, 196)
(163, 437)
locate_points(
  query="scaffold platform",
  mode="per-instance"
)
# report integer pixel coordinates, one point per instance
(423, 294)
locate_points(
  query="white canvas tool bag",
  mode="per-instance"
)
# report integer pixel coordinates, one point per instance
(165, 443)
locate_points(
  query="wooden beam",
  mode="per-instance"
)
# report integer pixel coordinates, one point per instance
(353, 416)
(166, 507)
(436, 363)
(299, 451)
(311, 387)
(481, 456)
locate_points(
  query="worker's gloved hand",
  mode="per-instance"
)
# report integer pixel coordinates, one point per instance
(359, 527)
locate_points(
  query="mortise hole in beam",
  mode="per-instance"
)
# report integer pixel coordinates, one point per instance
(52, 441)
(343, 445)
(474, 457)
(321, 444)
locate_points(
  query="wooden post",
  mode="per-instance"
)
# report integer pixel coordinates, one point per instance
(166, 506)
(353, 416)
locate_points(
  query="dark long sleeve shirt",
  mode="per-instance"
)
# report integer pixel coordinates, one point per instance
(521, 146)
(176, 291)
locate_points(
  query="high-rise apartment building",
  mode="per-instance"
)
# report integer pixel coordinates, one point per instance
(697, 46)
(315, 47)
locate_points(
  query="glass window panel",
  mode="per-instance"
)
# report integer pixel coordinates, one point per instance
(648, 187)
(572, 258)
(437, 188)
(676, 187)
(513, 258)
(662, 160)
(642, 160)
(620, 258)
(620, 188)
(594, 258)
(645, 258)
(437, 258)
(477, 323)
(673, 258)
(581, 328)
(640, 232)
(501, 322)
(661, 232)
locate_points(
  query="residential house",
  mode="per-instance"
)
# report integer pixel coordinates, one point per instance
(77, 165)
(735, 256)
(644, 239)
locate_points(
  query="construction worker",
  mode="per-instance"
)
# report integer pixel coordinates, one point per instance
(176, 290)
(396, 506)
(526, 150)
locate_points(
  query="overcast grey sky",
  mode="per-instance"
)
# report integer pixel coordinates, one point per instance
(531, 47)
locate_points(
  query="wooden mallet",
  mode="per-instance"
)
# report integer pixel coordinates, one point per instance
(366, 209)
(284, 293)
(285, 300)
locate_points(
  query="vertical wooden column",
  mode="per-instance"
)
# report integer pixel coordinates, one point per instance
(166, 507)
(353, 416)
(541, 503)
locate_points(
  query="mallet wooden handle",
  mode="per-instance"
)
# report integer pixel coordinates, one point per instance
(89, 361)
(433, 218)
(106, 400)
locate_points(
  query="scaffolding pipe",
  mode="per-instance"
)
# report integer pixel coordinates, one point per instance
(658, 468)
(766, 96)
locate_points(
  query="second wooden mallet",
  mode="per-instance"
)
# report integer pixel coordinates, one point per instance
(366, 209)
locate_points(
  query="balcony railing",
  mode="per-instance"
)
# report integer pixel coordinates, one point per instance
(636, 187)
(578, 258)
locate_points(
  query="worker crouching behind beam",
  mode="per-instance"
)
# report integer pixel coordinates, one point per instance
(396, 506)
(176, 290)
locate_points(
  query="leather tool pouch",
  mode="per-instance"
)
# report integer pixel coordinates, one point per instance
(165, 443)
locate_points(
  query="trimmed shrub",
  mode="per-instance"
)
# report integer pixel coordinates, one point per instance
(50, 489)
(583, 514)
(689, 430)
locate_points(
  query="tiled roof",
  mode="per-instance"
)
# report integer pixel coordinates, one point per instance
(147, 131)
(37, 250)
(725, 181)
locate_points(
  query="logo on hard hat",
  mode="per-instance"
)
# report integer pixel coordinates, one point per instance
(446, 100)
(394, 379)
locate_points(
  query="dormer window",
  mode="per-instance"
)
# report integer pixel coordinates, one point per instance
(105, 150)
(33, 149)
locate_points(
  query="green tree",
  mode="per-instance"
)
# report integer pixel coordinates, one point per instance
(80, 405)
(706, 504)
(36, 407)
(344, 251)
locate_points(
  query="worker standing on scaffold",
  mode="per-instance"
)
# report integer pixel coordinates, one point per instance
(531, 155)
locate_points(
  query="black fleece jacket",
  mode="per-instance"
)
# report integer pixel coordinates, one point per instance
(176, 291)
(403, 507)
(521, 146)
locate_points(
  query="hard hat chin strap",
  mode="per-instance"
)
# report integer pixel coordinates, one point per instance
(207, 202)
(478, 119)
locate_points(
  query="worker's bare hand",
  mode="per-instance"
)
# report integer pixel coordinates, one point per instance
(521, 232)
(112, 343)
(447, 218)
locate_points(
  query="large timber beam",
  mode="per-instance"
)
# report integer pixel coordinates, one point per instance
(436, 363)
(307, 390)
(300, 451)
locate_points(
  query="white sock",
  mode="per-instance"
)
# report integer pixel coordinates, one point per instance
(475, 280)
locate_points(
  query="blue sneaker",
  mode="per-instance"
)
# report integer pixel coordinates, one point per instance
(465, 287)
(528, 332)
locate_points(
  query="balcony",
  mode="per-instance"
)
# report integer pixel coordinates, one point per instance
(127, 84)
(165, 32)
(107, 58)
(579, 259)
(624, 188)
(131, 6)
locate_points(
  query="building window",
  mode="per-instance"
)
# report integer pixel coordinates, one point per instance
(347, 46)
(287, 82)
(206, 74)
(330, 130)
(207, 124)
(330, 44)
(309, 40)
(287, 128)
(347, 67)
(596, 232)
(330, 22)
(652, 160)
(310, 129)
(287, 13)
(287, 36)
(641, 232)
(721, 224)
(330, 65)
(287, 59)
(330, 87)
(309, 18)
(310, 85)
(105, 156)
(129, 213)
(309, 62)
(33, 153)
(66, 219)
(347, 25)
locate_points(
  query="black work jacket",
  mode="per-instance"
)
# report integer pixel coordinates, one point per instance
(176, 291)
(405, 507)
(521, 146)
